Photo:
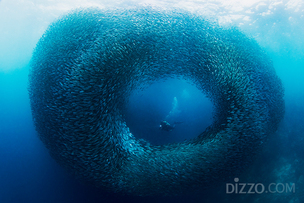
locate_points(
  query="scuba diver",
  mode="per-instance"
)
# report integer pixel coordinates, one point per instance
(164, 125)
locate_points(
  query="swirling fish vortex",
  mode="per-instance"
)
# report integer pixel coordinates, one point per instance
(89, 61)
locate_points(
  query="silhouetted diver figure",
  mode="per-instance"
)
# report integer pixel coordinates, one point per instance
(164, 125)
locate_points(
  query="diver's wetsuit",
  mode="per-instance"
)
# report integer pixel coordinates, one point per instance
(164, 125)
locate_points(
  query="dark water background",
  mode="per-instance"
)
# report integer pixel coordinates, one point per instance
(29, 174)
(173, 100)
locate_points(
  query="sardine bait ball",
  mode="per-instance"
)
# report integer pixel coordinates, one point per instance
(88, 62)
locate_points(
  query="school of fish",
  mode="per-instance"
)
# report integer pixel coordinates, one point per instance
(88, 62)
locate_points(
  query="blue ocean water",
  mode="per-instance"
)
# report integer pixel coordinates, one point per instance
(29, 174)
(173, 100)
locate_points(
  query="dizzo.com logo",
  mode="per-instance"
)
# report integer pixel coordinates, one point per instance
(258, 188)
